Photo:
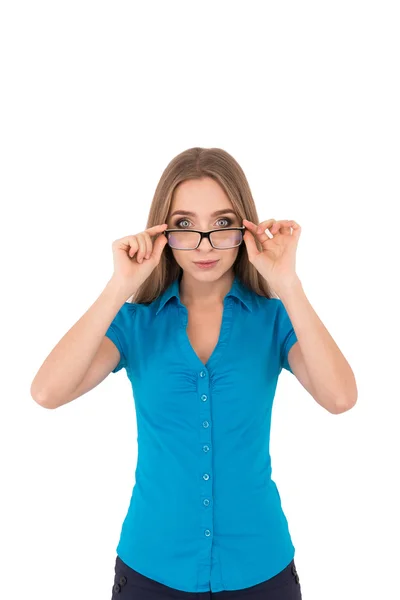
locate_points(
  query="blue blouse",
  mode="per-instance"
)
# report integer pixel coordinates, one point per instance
(204, 513)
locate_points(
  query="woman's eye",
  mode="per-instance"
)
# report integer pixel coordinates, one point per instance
(182, 221)
(225, 219)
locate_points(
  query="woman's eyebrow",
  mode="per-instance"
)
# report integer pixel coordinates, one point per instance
(189, 213)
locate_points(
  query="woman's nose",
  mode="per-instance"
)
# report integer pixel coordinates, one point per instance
(205, 244)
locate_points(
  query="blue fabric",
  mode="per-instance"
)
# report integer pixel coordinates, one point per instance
(205, 513)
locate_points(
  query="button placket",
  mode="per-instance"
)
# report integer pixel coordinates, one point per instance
(205, 449)
(206, 561)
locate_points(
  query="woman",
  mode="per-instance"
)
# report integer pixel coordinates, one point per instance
(203, 346)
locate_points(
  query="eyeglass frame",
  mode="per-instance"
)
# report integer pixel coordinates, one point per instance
(207, 234)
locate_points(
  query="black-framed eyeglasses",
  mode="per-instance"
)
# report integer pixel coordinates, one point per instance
(190, 239)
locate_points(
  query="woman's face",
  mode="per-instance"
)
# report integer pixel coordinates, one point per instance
(202, 198)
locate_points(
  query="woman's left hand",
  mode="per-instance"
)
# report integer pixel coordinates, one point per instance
(276, 262)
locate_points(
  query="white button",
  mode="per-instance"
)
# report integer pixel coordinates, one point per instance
(202, 373)
(204, 397)
(205, 423)
(206, 476)
(207, 532)
(206, 502)
(206, 448)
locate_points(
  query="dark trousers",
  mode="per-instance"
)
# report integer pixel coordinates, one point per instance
(131, 585)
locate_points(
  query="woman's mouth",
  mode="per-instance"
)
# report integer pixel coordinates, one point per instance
(207, 264)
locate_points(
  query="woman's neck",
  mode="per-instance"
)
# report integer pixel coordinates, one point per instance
(200, 295)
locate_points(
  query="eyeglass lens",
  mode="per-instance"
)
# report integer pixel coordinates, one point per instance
(188, 240)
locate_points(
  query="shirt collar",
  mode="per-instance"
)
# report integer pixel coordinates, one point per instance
(238, 290)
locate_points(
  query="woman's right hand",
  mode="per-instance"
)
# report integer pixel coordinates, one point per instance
(135, 257)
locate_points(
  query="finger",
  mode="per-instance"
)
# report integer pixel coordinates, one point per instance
(284, 226)
(270, 226)
(249, 224)
(296, 228)
(259, 230)
(274, 229)
(281, 227)
(130, 244)
(294, 224)
(158, 247)
(142, 247)
(149, 245)
(251, 246)
(134, 246)
(265, 225)
(156, 229)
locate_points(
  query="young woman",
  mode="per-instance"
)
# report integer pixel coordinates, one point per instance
(211, 324)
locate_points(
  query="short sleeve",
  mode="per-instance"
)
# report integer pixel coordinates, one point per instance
(120, 332)
(286, 335)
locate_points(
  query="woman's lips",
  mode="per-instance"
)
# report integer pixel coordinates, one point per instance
(205, 265)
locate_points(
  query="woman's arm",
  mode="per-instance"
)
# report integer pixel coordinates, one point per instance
(67, 364)
(316, 353)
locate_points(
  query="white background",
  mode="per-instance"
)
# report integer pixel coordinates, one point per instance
(96, 99)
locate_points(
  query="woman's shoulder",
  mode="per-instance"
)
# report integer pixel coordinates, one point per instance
(129, 308)
(263, 302)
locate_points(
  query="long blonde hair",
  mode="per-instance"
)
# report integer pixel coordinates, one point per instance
(196, 163)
